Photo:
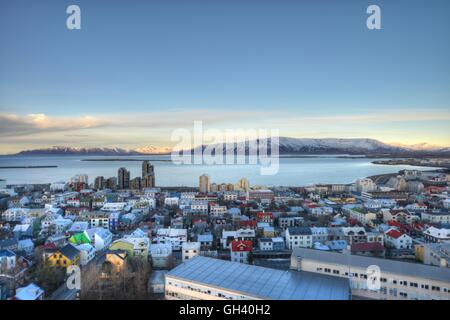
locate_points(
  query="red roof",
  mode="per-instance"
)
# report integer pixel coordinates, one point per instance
(241, 245)
(367, 246)
(394, 234)
(394, 223)
(262, 215)
(248, 223)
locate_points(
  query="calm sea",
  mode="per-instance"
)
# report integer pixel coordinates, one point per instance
(292, 171)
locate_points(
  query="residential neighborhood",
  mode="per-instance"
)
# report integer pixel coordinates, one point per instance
(140, 232)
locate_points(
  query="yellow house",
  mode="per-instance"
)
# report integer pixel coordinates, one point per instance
(269, 232)
(419, 252)
(133, 246)
(64, 257)
(122, 245)
(116, 259)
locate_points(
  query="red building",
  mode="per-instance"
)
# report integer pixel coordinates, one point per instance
(264, 217)
(247, 224)
(240, 250)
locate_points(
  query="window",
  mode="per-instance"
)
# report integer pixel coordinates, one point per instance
(434, 288)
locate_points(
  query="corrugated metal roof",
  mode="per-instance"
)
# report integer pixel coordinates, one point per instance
(260, 282)
(390, 266)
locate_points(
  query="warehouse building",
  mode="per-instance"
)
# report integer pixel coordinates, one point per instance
(398, 280)
(202, 278)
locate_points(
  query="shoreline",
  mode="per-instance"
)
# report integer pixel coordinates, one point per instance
(412, 162)
(28, 167)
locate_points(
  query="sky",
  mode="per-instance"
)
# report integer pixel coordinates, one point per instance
(137, 70)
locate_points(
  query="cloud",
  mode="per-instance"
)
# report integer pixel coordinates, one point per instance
(129, 129)
(15, 125)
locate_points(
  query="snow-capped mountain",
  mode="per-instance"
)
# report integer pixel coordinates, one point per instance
(153, 150)
(58, 150)
(324, 146)
(424, 146)
(286, 146)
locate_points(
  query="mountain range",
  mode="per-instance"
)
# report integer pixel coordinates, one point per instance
(293, 146)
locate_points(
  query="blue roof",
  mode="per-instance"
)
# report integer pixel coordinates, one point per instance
(260, 282)
(7, 253)
(205, 237)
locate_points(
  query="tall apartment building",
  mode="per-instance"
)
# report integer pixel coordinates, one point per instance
(136, 183)
(147, 168)
(148, 181)
(111, 183)
(203, 183)
(148, 175)
(243, 184)
(123, 178)
(99, 183)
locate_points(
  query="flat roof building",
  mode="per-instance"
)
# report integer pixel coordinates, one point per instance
(214, 279)
(398, 280)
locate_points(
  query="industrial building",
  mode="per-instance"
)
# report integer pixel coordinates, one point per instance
(202, 278)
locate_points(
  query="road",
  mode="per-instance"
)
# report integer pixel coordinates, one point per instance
(63, 293)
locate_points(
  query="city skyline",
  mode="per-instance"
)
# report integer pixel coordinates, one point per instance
(134, 74)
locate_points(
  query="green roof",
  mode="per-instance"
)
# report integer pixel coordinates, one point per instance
(79, 238)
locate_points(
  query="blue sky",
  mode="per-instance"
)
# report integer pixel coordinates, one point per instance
(139, 69)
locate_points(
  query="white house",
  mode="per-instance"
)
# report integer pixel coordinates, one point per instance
(175, 237)
(265, 244)
(190, 250)
(299, 237)
(60, 225)
(206, 240)
(199, 206)
(354, 234)
(7, 260)
(362, 216)
(172, 201)
(114, 206)
(218, 211)
(319, 234)
(79, 226)
(229, 196)
(433, 234)
(87, 253)
(30, 292)
(396, 239)
(161, 254)
(15, 214)
(227, 237)
(99, 222)
(26, 246)
(100, 238)
(436, 217)
(402, 216)
(240, 250)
